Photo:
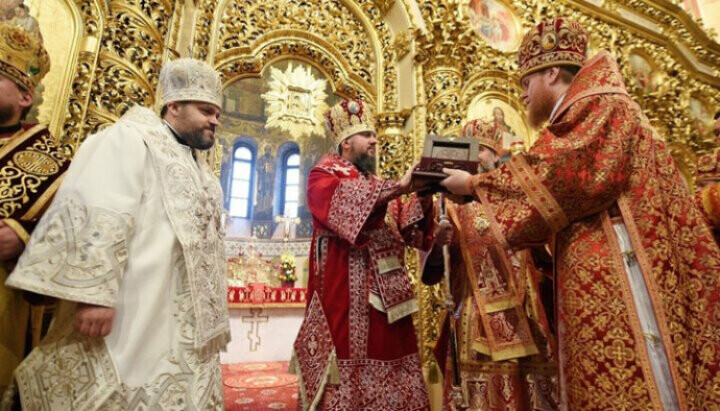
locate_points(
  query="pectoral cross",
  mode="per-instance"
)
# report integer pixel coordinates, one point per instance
(289, 221)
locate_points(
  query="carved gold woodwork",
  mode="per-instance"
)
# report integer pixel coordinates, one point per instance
(296, 102)
(121, 49)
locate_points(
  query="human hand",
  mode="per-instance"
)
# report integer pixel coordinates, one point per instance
(406, 185)
(457, 181)
(11, 246)
(93, 320)
(443, 232)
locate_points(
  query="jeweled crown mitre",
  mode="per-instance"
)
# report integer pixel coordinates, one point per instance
(23, 58)
(554, 42)
(349, 117)
(487, 134)
(188, 79)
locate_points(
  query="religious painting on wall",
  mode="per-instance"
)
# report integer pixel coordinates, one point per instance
(646, 77)
(272, 133)
(701, 118)
(517, 135)
(496, 23)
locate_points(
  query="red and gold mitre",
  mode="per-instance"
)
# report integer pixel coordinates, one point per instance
(555, 42)
(708, 168)
(487, 134)
(23, 58)
(349, 117)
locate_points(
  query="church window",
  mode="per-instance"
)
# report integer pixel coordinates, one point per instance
(242, 181)
(290, 183)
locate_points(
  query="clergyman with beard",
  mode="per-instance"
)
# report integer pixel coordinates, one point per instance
(132, 246)
(628, 240)
(358, 326)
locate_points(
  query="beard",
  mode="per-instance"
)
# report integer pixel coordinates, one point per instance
(540, 108)
(6, 113)
(196, 139)
(365, 163)
(484, 168)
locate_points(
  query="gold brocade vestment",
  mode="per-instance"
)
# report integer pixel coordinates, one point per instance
(597, 167)
(505, 345)
(31, 168)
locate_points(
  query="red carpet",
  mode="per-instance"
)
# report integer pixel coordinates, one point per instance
(259, 386)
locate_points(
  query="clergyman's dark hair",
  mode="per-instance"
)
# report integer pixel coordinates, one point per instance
(164, 109)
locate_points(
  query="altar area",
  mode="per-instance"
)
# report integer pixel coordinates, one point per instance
(265, 314)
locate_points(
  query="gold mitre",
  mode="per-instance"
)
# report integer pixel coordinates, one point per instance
(487, 133)
(349, 117)
(553, 42)
(23, 58)
(188, 79)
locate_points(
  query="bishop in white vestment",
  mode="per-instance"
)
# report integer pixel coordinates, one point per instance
(136, 228)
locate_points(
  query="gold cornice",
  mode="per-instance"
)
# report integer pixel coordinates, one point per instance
(212, 19)
(509, 84)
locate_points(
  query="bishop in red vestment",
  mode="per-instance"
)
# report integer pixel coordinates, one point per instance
(357, 349)
(505, 347)
(637, 284)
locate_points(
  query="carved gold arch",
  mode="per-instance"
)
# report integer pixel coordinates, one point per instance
(347, 40)
(296, 45)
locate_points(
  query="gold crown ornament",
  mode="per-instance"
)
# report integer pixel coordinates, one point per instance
(188, 79)
(487, 133)
(554, 42)
(23, 58)
(349, 117)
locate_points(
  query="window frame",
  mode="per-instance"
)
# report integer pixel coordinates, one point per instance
(251, 182)
(284, 168)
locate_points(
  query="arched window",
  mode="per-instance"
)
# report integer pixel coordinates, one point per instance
(242, 181)
(290, 186)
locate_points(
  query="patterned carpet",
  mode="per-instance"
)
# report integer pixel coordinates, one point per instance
(259, 386)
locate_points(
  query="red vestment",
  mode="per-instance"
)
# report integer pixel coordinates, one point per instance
(707, 193)
(357, 347)
(599, 164)
(505, 345)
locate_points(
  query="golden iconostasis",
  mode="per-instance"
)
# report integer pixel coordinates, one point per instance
(427, 66)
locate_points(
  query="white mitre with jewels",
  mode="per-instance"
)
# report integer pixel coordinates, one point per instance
(188, 79)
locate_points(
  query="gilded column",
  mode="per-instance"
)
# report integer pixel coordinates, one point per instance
(395, 146)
